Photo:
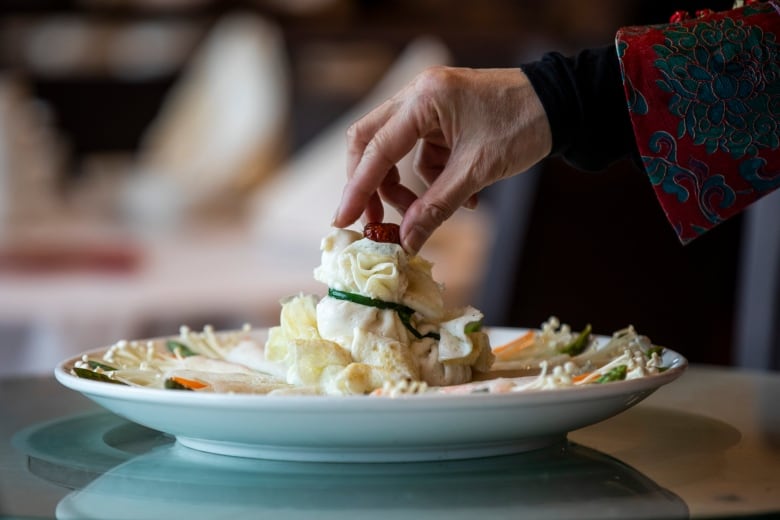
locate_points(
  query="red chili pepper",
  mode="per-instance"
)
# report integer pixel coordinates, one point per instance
(383, 232)
(679, 16)
(701, 13)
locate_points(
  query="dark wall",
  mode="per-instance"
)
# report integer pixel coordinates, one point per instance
(599, 250)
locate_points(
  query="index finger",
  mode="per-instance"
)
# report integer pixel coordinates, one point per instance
(368, 164)
(359, 134)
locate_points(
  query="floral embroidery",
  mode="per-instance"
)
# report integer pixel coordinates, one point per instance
(723, 79)
(710, 191)
(752, 170)
(706, 114)
(636, 101)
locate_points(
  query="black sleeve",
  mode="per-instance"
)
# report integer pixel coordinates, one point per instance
(586, 106)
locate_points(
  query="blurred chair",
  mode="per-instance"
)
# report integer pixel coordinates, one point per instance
(31, 159)
(293, 211)
(757, 335)
(221, 129)
(513, 201)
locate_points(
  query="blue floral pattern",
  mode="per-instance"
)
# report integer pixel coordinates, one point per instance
(709, 189)
(723, 77)
(637, 103)
(704, 100)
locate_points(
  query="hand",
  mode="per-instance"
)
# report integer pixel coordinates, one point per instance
(475, 127)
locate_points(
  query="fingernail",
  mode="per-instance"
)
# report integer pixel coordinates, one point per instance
(413, 241)
(335, 217)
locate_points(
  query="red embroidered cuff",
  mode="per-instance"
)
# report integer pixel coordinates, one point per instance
(704, 102)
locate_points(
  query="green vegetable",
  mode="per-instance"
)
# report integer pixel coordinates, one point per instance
(655, 350)
(182, 349)
(579, 344)
(404, 313)
(97, 364)
(616, 374)
(474, 326)
(85, 373)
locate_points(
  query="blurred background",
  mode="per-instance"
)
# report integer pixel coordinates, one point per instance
(167, 162)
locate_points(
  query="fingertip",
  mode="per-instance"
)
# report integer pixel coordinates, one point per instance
(343, 216)
(472, 202)
(336, 220)
(413, 239)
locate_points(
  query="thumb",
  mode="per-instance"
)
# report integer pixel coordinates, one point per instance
(429, 211)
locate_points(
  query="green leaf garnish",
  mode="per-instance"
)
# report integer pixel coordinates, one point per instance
(616, 374)
(474, 326)
(404, 313)
(85, 373)
(177, 347)
(654, 350)
(579, 344)
(97, 364)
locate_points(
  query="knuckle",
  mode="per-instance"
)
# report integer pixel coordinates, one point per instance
(356, 137)
(376, 151)
(436, 212)
(434, 79)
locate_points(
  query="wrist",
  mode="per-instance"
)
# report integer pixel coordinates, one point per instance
(555, 88)
(537, 120)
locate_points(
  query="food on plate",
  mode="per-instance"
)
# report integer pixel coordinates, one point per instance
(383, 232)
(383, 320)
(193, 361)
(564, 358)
(382, 329)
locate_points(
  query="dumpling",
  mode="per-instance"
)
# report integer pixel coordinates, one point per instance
(383, 320)
(423, 294)
(393, 358)
(311, 359)
(298, 321)
(362, 266)
(455, 344)
(340, 320)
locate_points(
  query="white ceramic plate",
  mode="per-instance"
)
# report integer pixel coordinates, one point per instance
(371, 429)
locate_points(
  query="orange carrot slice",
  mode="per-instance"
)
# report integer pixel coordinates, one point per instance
(512, 348)
(581, 377)
(189, 383)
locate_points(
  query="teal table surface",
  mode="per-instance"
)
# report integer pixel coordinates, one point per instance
(705, 446)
